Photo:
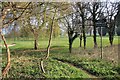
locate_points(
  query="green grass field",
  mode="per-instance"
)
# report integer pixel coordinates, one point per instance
(61, 64)
(62, 42)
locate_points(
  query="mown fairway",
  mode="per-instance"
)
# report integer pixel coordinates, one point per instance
(25, 61)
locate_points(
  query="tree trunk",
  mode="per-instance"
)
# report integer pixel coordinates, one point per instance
(84, 41)
(80, 40)
(70, 45)
(90, 32)
(95, 43)
(35, 39)
(50, 39)
(71, 39)
(42, 66)
(111, 38)
(35, 44)
(36, 35)
(49, 44)
(111, 31)
(6, 69)
(94, 32)
(84, 36)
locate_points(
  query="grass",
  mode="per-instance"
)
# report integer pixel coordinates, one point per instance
(62, 42)
(28, 67)
(25, 60)
(97, 67)
(94, 66)
(90, 43)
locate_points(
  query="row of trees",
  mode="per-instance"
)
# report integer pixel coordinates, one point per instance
(89, 14)
(75, 18)
(82, 12)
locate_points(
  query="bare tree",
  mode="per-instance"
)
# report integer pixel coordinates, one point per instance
(111, 11)
(6, 9)
(70, 22)
(81, 8)
(95, 9)
(34, 20)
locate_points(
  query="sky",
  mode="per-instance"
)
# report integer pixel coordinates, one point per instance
(58, 1)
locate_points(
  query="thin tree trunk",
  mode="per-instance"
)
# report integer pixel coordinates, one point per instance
(42, 66)
(111, 38)
(49, 44)
(90, 32)
(84, 40)
(70, 45)
(36, 34)
(80, 40)
(50, 39)
(111, 31)
(35, 44)
(94, 25)
(84, 36)
(6, 69)
(50, 36)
